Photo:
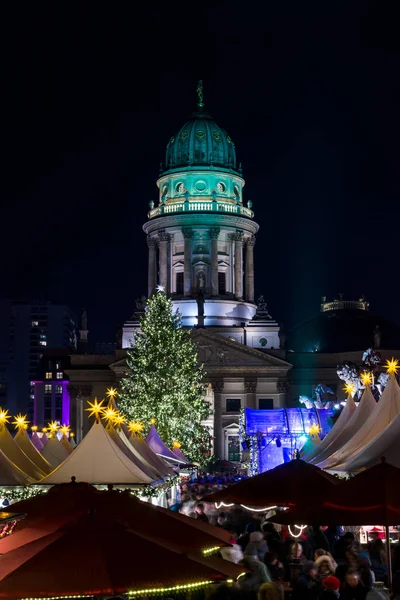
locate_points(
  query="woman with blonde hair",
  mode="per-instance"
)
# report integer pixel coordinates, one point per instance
(325, 564)
(270, 591)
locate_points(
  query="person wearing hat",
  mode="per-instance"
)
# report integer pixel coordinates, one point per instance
(330, 588)
(258, 572)
(307, 586)
(257, 543)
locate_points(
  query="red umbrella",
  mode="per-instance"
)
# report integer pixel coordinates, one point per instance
(93, 557)
(286, 485)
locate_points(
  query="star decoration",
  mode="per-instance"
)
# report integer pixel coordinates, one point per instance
(314, 430)
(95, 408)
(21, 422)
(135, 426)
(119, 420)
(392, 366)
(366, 378)
(153, 421)
(4, 416)
(53, 426)
(176, 445)
(64, 429)
(160, 288)
(111, 392)
(71, 434)
(34, 428)
(44, 429)
(109, 414)
(349, 388)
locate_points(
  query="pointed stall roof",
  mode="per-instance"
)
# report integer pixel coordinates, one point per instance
(385, 411)
(386, 444)
(16, 456)
(179, 454)
(151, 457)
(37, 442)
(97, 460)
(72, 442)
(54, 452)
(21, 438)
(120, 440)
(44, 439)
(157, 445)
(64, 441)
(10, 474)
(366, 406)
(342, 422)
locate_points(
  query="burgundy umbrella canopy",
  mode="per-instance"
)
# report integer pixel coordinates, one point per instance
(92, 557)
(289, 484)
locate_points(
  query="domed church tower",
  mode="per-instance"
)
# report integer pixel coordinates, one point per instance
(201, 235)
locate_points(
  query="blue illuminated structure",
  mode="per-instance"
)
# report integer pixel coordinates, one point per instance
(279, 433)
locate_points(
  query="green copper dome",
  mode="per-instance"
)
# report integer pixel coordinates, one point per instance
(200, 143)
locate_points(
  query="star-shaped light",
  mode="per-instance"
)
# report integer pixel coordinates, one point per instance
(349, 388)
(34, 428)
(53, 426)
(45, 430)
(160, 288)
(119, 420)
(392, 366)
(366, 378)
(21, 422)
(153, 421)
(109, 414)
(111, 393)
(314, 430)
(4, 416)
(64, 429)
(135, 426)
(176, 445)
(71, 434)
(95, 408)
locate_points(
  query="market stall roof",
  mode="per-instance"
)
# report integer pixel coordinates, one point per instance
(22, 439)
(157, 445)
(54, 452)
(17, 456)
(98, 460)
(386, 444)
(384, 413)
(64, 441)
(339, 426)
(359, 417)
(151, 457)
(287, 485)
(181, 456)
(120, 440)
(37, 442)
(10, 474)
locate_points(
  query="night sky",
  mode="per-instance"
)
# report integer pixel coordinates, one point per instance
(308, 91)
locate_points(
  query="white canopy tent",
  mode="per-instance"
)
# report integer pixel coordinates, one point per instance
(16, 456)
(23, 441)
(387, 444)
(54, 452)
(360, 415)
(10, 474)
(385, 411)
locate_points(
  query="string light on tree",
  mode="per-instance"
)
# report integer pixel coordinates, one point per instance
(392, 366)
(165, 382)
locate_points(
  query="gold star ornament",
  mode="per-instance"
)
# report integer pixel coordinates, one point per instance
(111, 392)
(176, 445)
(4, 416)
(21, 422)
(95, 408)
(366, 378)
(135, 426)
(349, 388)
(64, 429)
(119, 420)
(392, 366)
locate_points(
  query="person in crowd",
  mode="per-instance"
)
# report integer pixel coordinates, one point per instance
(307, 586)
(315, 540)
(377, 555)
(296, 551)
(244, 538)
(275, 568)
(330, 588)
(270, 591)
(201, 515)
(325, 564)
(341, 546)
(258, 572)
(258, 543)
(233, 553)
(223, 521)
(271, 535)
(352, 587)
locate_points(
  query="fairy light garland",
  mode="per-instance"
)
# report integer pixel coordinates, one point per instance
(300, 527)
(175, 588)
(209, 551)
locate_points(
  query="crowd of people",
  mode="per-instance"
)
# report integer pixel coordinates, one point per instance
(324, 563)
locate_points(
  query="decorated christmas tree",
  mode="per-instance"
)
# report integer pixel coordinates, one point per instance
(165, 383)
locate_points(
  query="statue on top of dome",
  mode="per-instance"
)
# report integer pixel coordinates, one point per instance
(200, 95)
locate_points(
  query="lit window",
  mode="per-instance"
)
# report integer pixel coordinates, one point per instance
(59, 375)
(43, 343)
(47, 388)
(35, 323)
(58, 389)
(49, 375)
(58, 366)
(233, 405)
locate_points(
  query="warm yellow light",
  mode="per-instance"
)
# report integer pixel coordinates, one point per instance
(95, 408)
(44, 429)
(119, 420)
(34, 428)
(64, 429)
(53, 426)
(208, 551)
(314, 430)
(349, 388)
(4, 416)
(366, 378)
(21, 422)
(153, 421)
(135, 426)
(176, 445)
(111, 392)
(109, 414)
(392, 366)
(175, 588)
(72, 434)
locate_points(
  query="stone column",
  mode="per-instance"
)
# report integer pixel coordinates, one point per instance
(250, 269)
(187, 269)
(218, 386)
(151, 280)
(214, 233)
(250, 388)
(238, 239)
(163, 258)
(79, 394)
